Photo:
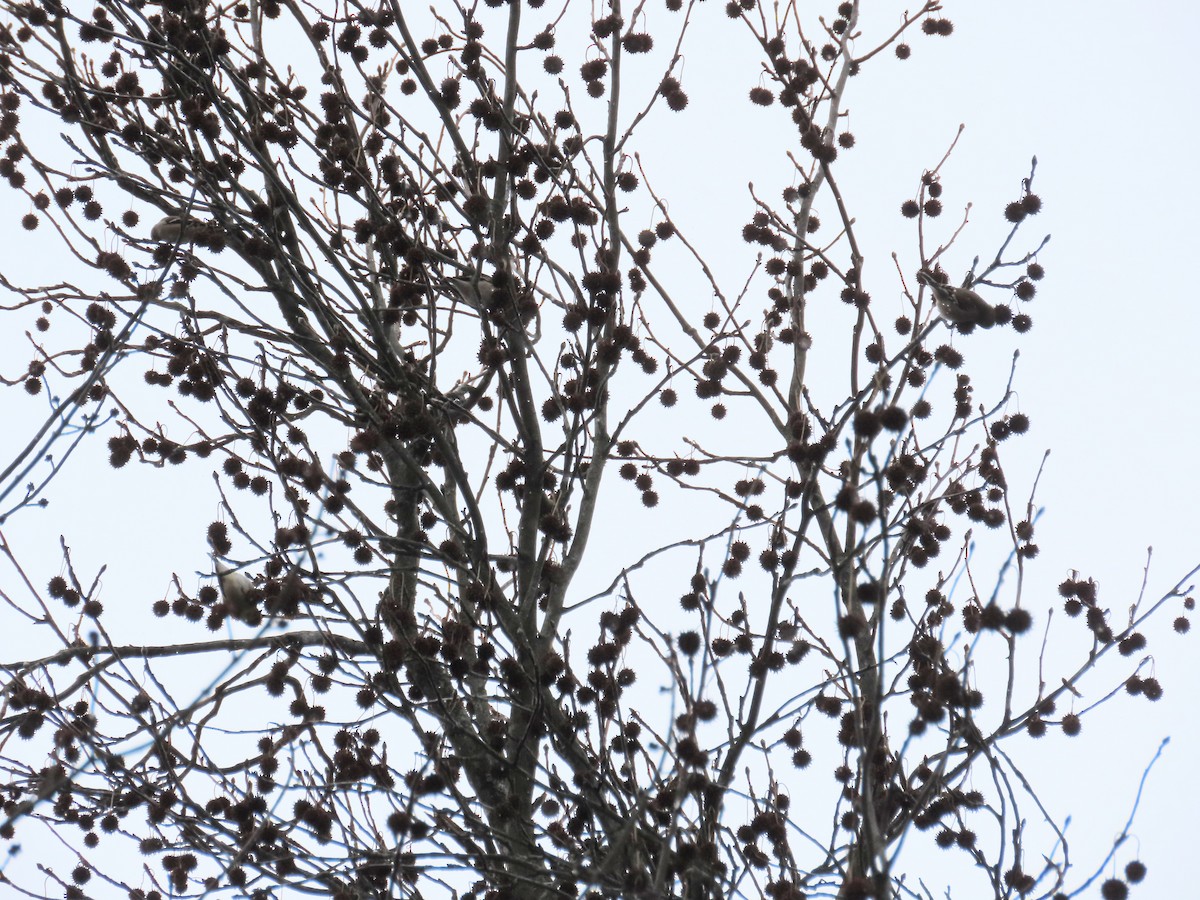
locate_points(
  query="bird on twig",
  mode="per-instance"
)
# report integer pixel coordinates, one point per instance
(475, 292)
(958, 305)
(499, 301)
(238, 592)
(179, 229)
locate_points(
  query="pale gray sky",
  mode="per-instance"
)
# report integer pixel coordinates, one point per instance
(1104, 94)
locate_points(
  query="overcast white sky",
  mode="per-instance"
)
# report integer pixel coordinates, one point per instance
(1105, 95)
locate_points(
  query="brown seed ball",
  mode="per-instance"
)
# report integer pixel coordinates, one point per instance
(760, 96)
(1132, 644)
(638, 42)
(593, 69)
(1018, 621)
(894, 418)
(677, 101)
(850, 626)
(866, 424)
(948, 356)
(863, 512)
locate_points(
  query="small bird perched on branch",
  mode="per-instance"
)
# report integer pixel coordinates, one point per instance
(958, 305)
(238, 592)
(179, 229)
(475, 292)
(499, 301)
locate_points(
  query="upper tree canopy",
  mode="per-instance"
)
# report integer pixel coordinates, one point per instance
(539, 571)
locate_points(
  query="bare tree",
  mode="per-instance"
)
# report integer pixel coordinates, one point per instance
(389, 277)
